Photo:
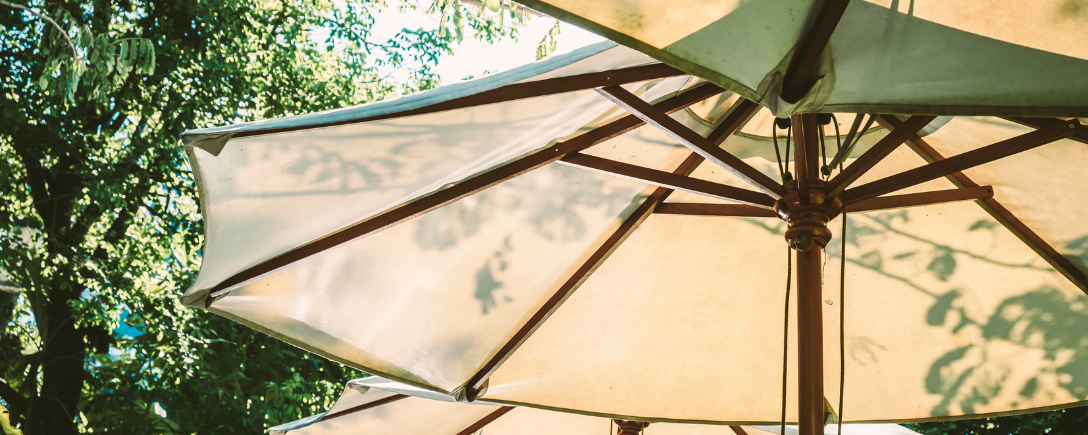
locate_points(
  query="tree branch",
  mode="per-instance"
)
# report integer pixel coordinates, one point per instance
(516, 8)
(16, 401)
(75, 55)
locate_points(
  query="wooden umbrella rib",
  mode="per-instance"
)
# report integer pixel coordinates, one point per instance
(595, 259)
(922, 199)
(1002, 214)
(465, 188)
(486, 420)
(1080, 136)
(877, 153)
(689, 138)
(798, 76)
(669, 180)
(738, 430)
(364, 407)
(962, 162)
(723, 210)
(511, 92)
(736, 116)
(599, 255)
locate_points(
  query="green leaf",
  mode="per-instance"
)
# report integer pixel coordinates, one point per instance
(122, 57)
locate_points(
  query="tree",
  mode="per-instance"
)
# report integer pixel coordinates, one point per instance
(99, 221)
(1072, 421)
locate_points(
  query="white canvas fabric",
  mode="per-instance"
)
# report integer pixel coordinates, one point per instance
(422, 414)
(945, 306)
(940, 57)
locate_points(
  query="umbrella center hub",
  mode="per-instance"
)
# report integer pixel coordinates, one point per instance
(629, 427)
(807, 217)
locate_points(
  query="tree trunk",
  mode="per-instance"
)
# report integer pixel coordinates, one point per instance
(54, 411)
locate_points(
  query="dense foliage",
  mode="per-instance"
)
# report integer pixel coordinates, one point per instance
(99, 226)
(1072, 421)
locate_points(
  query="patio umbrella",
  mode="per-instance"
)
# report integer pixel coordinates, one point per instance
(550, 235)
(376, 406)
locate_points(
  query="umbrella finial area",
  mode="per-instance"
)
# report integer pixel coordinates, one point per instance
(629, 427)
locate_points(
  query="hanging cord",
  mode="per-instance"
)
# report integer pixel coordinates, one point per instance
(783, 164)
(777, 153)
(842, 316)
(824, 170)
(786, 333)
(789, 136)
(852, 139)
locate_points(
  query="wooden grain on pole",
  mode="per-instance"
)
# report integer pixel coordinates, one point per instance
(669, 180)
(962, 162)
(810, 343)
(463, 189)
(805, 153)
(878, 152)
(1002, 215)
(689, 138)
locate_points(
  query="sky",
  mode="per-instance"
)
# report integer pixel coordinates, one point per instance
(473, 57)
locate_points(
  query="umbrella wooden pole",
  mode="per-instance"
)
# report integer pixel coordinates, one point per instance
(810, 349)
(803, 208)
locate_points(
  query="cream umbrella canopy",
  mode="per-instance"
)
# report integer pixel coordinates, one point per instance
(550, 235)
(376, 406)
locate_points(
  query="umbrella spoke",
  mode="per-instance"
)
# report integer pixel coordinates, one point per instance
(669, 180)
(486, 420)
(922, 199)
(962, 162)
(737, 115)
(364, 407)
(689, 138)
(465, 188)
(878, 152)
(1080, 136)
(599, 255)
(1001, 214)
(700, 209)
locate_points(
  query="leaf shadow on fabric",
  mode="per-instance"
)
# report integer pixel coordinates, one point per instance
(554, 204)
(1042, 325)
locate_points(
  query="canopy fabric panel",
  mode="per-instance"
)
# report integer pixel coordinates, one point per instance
(963, 57)
(265, 194)
(421, 414)
(562, 285)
